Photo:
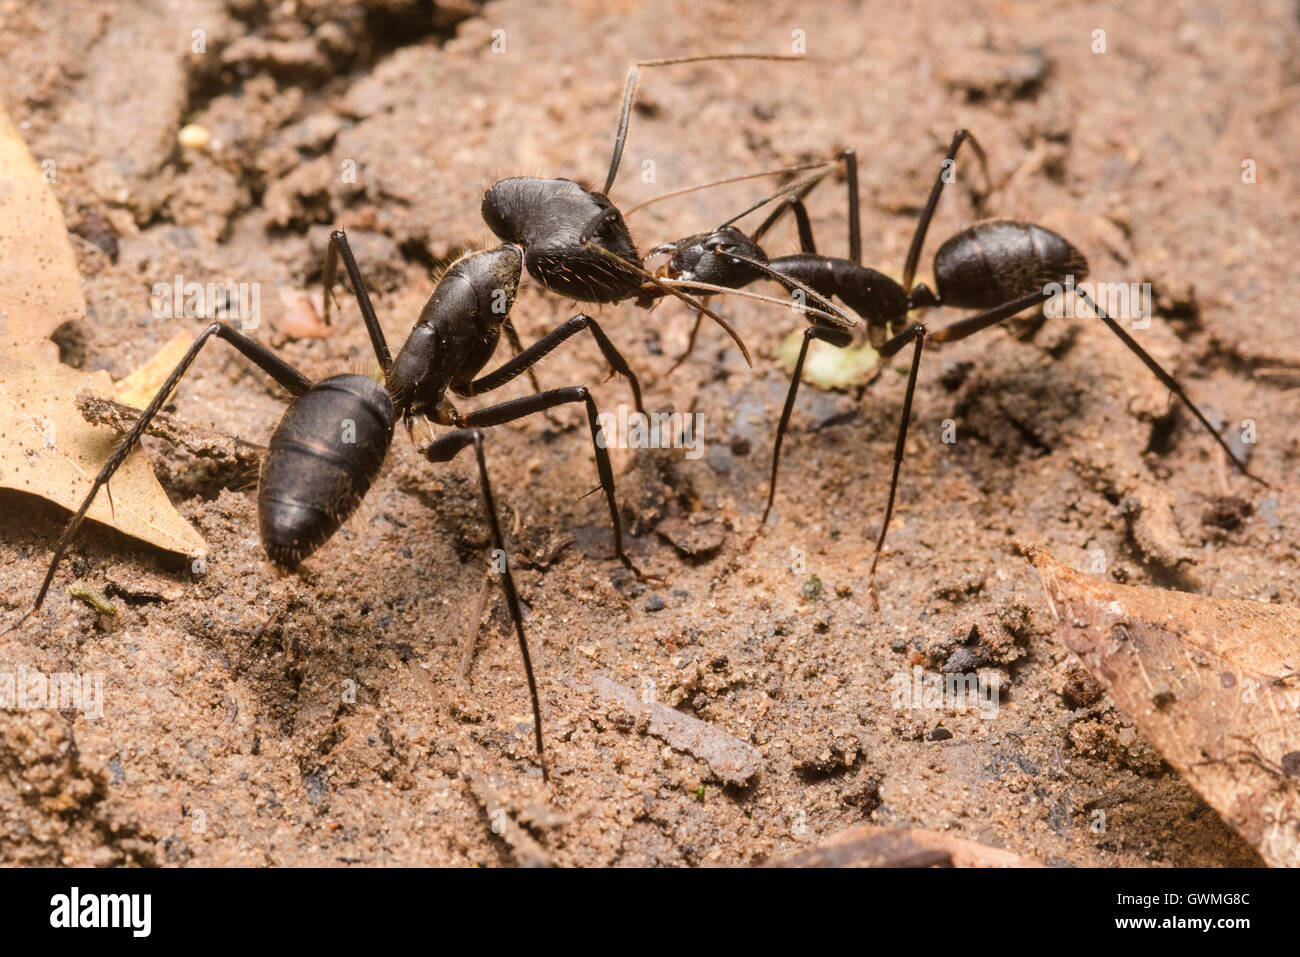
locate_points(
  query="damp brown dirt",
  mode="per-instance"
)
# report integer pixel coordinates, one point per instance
(323, 717)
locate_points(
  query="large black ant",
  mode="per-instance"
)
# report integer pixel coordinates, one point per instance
(999, 267)
(335, 434)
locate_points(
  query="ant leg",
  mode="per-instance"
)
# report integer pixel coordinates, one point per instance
(338, 246)
(629, 94)
(804, 224)
(266, 360)
(836, 337)
(690, 343)
(855, 225)
(444, 449)
(795, 204)
(514, 409)
(1170, 383)
(973, 324)
(544, 346)
(512, 336)
(923, 224)
(911, 333)
(981, 321)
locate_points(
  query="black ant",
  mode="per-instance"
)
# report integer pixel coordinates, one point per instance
(1000, 267)
(335, 434)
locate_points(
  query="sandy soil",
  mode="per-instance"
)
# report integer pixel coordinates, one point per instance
(226, 739)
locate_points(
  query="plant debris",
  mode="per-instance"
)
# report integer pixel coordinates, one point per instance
(731, 759)
(1213, 684)
(48, 449)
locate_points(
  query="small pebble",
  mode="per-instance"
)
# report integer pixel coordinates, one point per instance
(194, 137)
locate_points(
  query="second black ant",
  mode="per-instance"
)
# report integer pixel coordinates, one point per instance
(1000, 267)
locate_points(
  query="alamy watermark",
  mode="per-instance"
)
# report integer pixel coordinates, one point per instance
(935, 691)
(652, 430)
(62, 691)
(1126, 301)
(239, 303)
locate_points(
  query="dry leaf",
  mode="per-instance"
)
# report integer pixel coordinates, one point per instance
(870, 846)
(138, 388)
(46, 447)
(1213, 684)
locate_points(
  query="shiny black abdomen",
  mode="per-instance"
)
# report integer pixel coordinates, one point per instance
(997, 262)
(321, 461)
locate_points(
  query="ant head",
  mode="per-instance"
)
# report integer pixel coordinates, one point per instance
(508, 205)
(529, 210)
(707, 257)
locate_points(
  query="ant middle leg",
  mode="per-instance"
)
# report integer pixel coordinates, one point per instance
(444, 449)
(529, 357)
(514, 409)
(338, 246)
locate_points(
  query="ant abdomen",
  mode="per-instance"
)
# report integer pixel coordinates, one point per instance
(321, 461)
(996, 262)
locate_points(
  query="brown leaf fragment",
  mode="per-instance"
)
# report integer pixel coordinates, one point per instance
(138, 388)
(692, 539)
(868, 845)
(46, 448)
(1213, 684)
(731, 759)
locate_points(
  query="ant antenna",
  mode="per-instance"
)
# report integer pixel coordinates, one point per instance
(629, 93)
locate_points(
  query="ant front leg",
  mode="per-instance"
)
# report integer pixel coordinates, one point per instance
(444, 449)
(836, 337)
(796, 205)
(690, 343)
(515, 409)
